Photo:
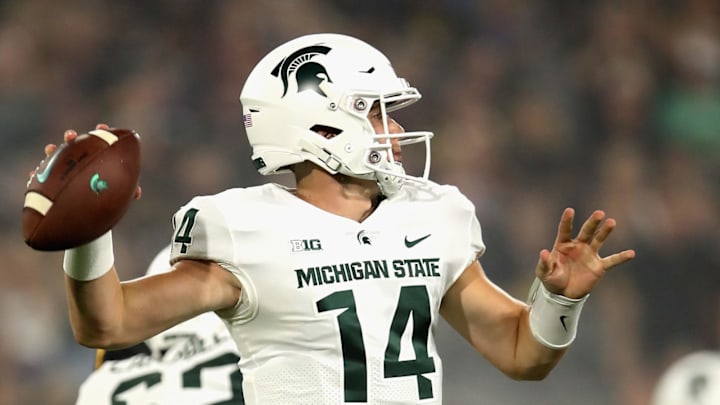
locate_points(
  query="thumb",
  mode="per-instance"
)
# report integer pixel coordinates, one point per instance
(543, 265)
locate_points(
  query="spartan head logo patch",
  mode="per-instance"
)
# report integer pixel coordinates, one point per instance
(363, 238)
(308, 74)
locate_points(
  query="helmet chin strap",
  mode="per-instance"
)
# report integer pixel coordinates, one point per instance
(391, 180)
(389, 177)
(332, 162)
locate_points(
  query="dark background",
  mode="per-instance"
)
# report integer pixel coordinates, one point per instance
(536, 105)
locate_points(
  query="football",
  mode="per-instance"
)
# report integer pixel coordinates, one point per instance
(82, 190)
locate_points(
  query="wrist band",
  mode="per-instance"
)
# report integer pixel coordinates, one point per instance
(553, 318)
(90, 261)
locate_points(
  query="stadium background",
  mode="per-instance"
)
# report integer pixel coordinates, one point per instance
(536, 105)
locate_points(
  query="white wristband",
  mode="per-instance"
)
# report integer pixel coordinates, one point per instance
(553, 317)
(90, 261)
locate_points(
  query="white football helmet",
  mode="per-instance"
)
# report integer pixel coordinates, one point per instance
(692, 380)
(328, 82)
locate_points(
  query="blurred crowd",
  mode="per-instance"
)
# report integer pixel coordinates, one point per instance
(536, 105)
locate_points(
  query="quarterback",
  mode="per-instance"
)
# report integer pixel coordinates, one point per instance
(332, 289)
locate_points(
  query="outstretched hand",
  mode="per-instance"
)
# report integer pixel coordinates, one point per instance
(574, 266)
(68, 136)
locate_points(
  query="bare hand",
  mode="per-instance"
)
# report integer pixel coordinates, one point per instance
(68, 136)
(574, 266)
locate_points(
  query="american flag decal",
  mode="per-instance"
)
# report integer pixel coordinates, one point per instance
(247, 120)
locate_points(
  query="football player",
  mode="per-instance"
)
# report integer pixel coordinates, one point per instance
(193, 363)
(694, 379)
(332, 289)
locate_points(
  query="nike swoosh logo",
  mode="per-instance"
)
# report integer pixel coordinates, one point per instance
(562, 321)
(411, 243)
(43, 176)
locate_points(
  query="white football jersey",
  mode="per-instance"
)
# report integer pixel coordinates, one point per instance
(335, 311)
(192, 363)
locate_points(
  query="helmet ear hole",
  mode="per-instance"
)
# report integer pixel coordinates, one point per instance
(325, 131)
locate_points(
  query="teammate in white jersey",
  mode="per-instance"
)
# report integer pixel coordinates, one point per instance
(333, 289)
(193, 363)
(693, 379)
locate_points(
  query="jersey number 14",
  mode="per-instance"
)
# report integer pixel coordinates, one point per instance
(413, 301)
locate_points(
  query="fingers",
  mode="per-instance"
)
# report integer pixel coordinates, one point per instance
(49, 149)
(138, 193)
(543, 264)
(69, 135)
(618, 258)
(590, 227)
(591, 231)
(602, 234)
(564, 233)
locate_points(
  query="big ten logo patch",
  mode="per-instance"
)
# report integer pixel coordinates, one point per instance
(305, 245)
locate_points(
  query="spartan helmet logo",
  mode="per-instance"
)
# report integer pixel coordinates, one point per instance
(698, 387)
(307, 73)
